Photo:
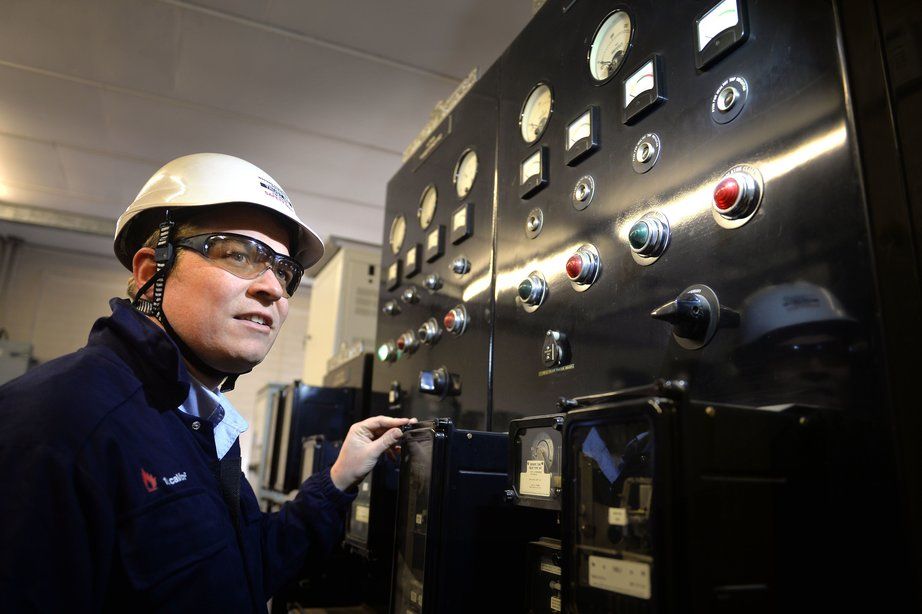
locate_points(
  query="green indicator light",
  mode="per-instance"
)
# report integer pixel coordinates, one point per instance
(525, 289)
(639, 235)
(383, 353)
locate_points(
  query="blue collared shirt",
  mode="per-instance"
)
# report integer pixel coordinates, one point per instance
(214, 407)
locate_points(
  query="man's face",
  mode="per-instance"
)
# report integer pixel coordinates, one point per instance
(210, 308)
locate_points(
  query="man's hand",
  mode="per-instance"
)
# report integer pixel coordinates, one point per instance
(364, 443)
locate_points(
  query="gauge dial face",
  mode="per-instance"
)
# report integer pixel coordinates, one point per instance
(465, 173)
(531, 167)
(398, 232)
(639, 82)
(542, 449)
(427, 204)
(536, 112)
(720, 18)
(609, 45)
(579, 129)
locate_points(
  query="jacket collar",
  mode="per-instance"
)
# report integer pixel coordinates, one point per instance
(147, 350)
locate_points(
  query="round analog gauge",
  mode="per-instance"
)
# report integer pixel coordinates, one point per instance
(543, 449)
(535, 112)
(465, 172)
(398, 232)
(609, 45)
(427, 205)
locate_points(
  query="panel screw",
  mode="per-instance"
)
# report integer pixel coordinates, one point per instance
(710, 411)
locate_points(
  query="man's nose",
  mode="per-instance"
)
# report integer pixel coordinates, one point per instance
(268, 284)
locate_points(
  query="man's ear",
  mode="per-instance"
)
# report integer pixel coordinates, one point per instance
(143, 267)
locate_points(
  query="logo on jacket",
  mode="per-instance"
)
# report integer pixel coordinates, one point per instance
(176, 479)
(150, 482)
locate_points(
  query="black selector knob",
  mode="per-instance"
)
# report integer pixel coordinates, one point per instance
(694, 316)
(440, 382)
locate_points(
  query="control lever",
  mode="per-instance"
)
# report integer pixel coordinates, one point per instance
(440, 382)
(695, 315)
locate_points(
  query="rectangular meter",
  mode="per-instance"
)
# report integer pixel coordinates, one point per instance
(643, 89)
(435, 243)
(462, 223)
(533, 173)
(582, 135)
(457, 547)
(720, 29)
(535, 462)
(413, 261)
(393, 275)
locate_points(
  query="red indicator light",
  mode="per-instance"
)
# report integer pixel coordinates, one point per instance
(726, 194)
(401, 343)
(574, 266)
(449, 320)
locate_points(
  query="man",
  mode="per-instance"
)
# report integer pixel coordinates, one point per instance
(120, 481)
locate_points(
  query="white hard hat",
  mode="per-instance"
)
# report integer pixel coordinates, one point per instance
(207, 179)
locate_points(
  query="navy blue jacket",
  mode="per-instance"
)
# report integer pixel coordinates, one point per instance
(108, 499)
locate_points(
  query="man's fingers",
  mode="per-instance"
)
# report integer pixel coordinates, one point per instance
(376, 423)
(386, 440)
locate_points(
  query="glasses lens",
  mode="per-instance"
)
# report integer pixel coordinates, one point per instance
(237, 255)
(289, 273)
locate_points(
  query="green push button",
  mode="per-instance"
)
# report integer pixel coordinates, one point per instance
(639, 235)
(525, 289)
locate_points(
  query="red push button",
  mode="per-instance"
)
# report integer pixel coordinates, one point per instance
(575, 267)
(401, 343)
(727, 194)
(449, 320)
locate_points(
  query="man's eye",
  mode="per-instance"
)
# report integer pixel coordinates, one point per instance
(237, 257)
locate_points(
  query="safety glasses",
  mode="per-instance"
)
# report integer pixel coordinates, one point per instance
(245, 257)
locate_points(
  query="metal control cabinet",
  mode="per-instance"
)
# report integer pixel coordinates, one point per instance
(458, 237)
(459, 544)
(677, 506)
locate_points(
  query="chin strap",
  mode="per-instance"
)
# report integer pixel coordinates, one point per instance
(165, 256)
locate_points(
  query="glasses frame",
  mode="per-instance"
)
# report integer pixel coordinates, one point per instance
(197, 244)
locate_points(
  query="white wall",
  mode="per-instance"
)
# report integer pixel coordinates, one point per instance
(54, 296)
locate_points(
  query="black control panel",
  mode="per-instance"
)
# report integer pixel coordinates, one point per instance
(699, 223)
(436, 320)
(707, 193)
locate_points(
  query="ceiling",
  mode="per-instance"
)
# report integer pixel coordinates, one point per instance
(324, 95)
